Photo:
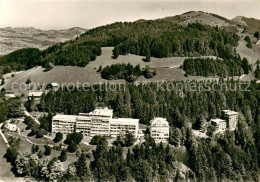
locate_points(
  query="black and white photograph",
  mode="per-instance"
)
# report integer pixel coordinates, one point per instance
(129, 90)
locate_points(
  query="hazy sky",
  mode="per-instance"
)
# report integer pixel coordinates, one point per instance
(59, 14)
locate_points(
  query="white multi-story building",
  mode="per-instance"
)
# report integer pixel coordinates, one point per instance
(95, 123)
(160, 129)
(220, 124)
(63, 123)
(121, 125)
(232, 118)
(98, 122)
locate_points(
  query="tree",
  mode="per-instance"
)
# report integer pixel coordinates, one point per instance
(28, 81)
(40, 154)
(257, 71)
(99, 69)
(40, 133)
(81, 166)
(47, 150)
(63, 156)
(175, 137)
(98, 140)
(11, 154)
(248, 41)
(46, 121)
(142, 171)
(119, 141)
(58, 137)
(75, 137)
(148, 56)
(29, 104)
(197, 124)
(3, 112)
(72, 147)
(115, 53)
(129, 139)
(35, 148)
(257, 35)
(148, 72)
(245, 66)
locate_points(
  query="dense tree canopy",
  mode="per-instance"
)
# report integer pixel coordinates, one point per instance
(216, 67)
(126, 71)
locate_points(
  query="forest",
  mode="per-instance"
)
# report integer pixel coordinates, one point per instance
(232, 156)
(216, 67)
(156, 38)
(126, 71)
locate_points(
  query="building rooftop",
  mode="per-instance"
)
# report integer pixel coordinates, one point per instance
(217, 120)
(229, 112)
(35, 93)
(124, 121)
(62, 117)
(87, 117)
(55, 84)
(99, 111)
(9, 92)
(159, 122)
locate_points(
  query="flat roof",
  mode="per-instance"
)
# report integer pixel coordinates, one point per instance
(229, 112)
(55, 84)
(124, 121)
(159, 122)
(217, 120)
(102, 111)
(64, 117)
(35, 93)
(91, 117)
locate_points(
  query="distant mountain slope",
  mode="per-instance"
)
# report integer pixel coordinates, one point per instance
(250, 23)
(12, 39)
(203, 18)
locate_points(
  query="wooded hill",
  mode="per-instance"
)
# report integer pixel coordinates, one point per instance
(158, 38)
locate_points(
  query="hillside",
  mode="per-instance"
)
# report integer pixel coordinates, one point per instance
(192, 34)
(159, 38)
(12, 39)
(249, 23)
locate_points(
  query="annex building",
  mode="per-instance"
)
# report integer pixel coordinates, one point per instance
(98, 122)
(160, 129)
(229, 121)
(220, 124)
(232, 118)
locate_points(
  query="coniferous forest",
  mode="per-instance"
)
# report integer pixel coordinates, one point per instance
(216, 67)
(232, 156)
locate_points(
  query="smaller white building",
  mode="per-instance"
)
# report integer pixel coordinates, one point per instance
(121, 125)
(11, 127)
(232, 118)
(160, 129)
(55, 86)
(9, 94)
(35, 94)
(63, 123)
(220, 124)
